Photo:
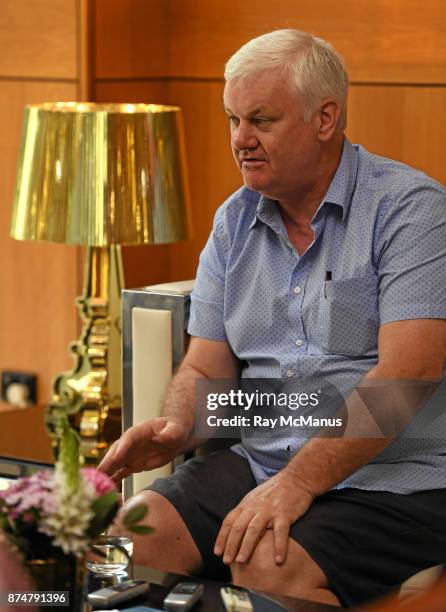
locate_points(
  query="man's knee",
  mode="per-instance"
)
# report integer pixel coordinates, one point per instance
(298, 572)
(170, 546)
(161, 512)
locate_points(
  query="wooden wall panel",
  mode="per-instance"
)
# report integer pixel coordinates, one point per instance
(38, 38)
(404, 123)
(148, 91)
(382, 41)
(39, 61)
(23, 435)
(131, 38)
(212, 171)
(38, 280)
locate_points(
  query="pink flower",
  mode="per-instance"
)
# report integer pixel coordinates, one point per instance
(101, 482)
(50, 504)
(30, 492)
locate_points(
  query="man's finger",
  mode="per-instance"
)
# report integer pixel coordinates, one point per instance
(169, 434)
(220, 542)
(120, 474)
(115, 458)
(107, 459)
(235, 537)
(254, 532)
(281, 533)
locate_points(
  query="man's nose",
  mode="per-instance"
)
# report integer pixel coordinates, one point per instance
(243, 136)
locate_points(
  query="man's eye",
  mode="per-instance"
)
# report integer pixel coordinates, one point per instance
(261, 120)
(233, 120)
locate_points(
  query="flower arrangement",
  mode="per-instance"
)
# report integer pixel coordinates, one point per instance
(60, 512)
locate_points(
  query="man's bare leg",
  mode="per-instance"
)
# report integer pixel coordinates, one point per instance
(299, 576)
(170, 547)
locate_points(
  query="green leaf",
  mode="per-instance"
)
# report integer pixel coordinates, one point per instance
(140, 529)
(135, 515)
(104, 509)
(4, 523)
(102, 504)
(68, 459)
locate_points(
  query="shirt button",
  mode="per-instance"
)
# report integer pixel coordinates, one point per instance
(299, 342)
(296, 289)
(289, 373)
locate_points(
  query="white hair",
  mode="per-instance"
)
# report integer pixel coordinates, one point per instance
(311, 64)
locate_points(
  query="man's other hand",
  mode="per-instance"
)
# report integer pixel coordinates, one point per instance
(145, 446)
(276, 504)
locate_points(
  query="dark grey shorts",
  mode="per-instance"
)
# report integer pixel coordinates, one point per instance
(366, 542)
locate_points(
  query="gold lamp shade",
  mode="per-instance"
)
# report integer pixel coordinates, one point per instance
(101, 174)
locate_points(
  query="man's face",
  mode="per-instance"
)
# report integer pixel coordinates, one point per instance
(276, 152)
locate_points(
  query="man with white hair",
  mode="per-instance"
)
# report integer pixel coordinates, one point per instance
(329, 261)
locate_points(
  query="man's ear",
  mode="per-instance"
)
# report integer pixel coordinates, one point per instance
(329, 114)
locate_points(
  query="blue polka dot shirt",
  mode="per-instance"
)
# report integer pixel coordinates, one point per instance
(379, 255)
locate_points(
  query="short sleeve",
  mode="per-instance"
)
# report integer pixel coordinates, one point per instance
(412, 256)
(207, 300)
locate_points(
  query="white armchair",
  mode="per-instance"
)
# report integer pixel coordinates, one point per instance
(154, 321)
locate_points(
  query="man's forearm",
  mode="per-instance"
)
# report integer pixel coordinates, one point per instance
(326, 461)
(179, 402)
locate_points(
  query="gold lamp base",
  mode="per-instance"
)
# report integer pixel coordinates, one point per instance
(90, 394)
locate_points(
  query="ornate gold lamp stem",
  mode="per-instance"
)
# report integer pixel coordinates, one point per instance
(91, 392)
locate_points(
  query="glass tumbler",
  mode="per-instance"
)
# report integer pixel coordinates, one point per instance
(110, 555)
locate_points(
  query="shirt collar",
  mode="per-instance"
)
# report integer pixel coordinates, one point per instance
(340, 191)
(267, 213)
(343, 183)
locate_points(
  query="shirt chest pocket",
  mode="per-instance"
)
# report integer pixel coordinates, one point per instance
(348, 316)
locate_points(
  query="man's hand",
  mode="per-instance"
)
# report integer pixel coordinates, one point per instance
(276, 504)
(158, 441)
(144, 447)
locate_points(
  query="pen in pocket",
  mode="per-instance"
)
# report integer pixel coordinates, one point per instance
(327, 279)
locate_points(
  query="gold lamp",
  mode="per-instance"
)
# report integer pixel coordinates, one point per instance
(99, 175)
